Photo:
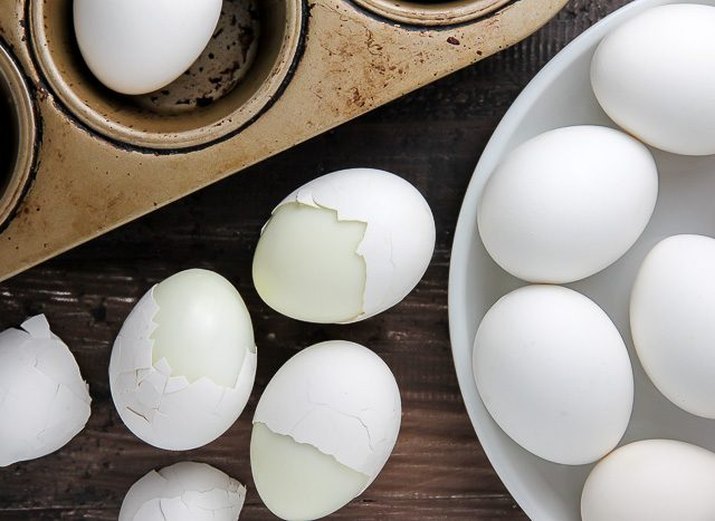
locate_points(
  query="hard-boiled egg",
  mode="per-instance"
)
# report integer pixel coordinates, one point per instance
(135, 47)
(344, 247)
(185, 491)
(652, 480)
(184, 362)
(655, 76)
(44, 402)
(672, 306)
(554, 373)
(323, 429)
(567, 203)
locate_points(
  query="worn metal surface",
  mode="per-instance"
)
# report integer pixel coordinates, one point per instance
(352, 62)
(433, 138)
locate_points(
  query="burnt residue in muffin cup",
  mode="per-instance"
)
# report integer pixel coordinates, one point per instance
(224, 63)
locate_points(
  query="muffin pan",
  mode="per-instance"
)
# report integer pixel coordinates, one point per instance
(79, 160)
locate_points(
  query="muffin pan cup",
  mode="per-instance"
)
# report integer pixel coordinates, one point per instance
(97, 162)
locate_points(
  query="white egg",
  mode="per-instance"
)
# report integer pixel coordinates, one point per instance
(567, 203)
(323, 429)
(655, 76)
(344, 247)
(184, 362)
(44, 402)
(672, 324)
(554, 373)
(135, 46)
(652, 480)
(185, 491)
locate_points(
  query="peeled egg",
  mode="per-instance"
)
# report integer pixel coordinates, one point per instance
(344, 247)
(183, 365)
(185, 491)
(567, 203)
(672, 306)
(136, 47)
(323, 429)
(44, 402)
(554, 373)
(653, 480)
(654, 76)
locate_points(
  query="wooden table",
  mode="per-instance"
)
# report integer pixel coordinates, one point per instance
(438, 470)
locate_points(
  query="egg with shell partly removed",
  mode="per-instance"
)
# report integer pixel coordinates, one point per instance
(185, 491)
(653, 480)
(344, 247)
(183, 365)
(323, 429)
(44, 402)
(136, 47)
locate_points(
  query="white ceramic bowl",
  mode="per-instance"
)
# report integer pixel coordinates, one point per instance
(561, 95)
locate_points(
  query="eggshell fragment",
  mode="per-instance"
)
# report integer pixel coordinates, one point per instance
(136, 47)
(44, 402)
(185, 491)
(554, 373)
(339, 400)
(169, 410)
(396, 247)
(653, 480)
(672, 312)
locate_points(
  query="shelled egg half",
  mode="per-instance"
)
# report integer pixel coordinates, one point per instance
(323, 429)
(344, 247)
(136, 47)
(554, 373)
(185, 491)
(44, 402)
(183, 365)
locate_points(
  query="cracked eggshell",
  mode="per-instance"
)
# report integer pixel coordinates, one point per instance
(185, 491)
(44, 402)
(399, 237)
(340, 398)
(167, 410)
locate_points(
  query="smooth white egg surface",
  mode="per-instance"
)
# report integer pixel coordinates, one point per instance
(44, 402)
(183, 365)
(567, 203)
(185, 491)
(652, 480)
(323, 429)
(655, 76)
(136, 47)
(672, 306)
(344, 247)
(554, 373)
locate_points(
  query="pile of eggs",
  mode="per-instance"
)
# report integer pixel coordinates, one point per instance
(550, 366)
(342, 248)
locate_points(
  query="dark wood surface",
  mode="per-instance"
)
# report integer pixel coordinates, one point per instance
(433, 138)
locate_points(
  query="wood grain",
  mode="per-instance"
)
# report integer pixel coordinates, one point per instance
(433, 138)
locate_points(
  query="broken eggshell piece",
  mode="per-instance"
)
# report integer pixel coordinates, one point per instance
(323, 429)
(184, 362)
(185, 491)
(44, 402)
(359, 236)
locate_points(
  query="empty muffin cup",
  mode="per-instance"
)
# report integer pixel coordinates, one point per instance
(240, 73)
(17, 136)
(432, 12)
